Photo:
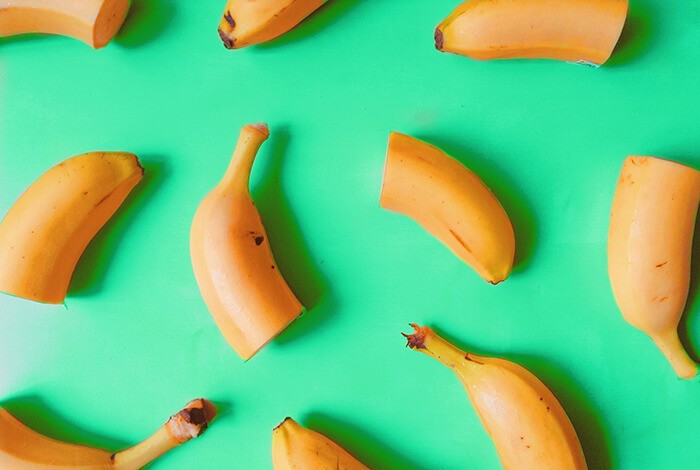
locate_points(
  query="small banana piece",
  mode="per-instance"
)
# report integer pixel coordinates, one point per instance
(21, 448)
(296, 448)
(47, 229)
(451, 203)
(649, 250)
(527, 424)
(95, 22)
(235, 270)
(582, 31)
(248, 22)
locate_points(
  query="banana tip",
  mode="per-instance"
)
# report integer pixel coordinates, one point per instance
(288, 418)
(262, 128)
(416, 340)
(439, 39)
(226, 39)
(192, 420)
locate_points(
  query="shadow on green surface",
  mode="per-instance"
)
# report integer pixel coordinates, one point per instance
(587, 420)
(33, 412)
(322, 18)
(635, 37)
(506, 190)
(147, 19)
(94, 264)
(366, 449)
(291, 252)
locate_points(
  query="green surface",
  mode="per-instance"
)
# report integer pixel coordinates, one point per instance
(135, 342)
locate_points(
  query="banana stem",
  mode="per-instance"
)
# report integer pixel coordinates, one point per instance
(670, 344)
(425, 340)
(189, 423)
(249, 141)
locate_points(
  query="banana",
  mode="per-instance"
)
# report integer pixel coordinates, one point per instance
(296, 448)
(47, 229)
(247, 22)
(451, 203)
(233, 264)
(582, 31)
(95, 22)
(527, 424)
(649, 250)
(22, 448)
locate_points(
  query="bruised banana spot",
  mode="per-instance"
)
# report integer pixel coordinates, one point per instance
(461, 242)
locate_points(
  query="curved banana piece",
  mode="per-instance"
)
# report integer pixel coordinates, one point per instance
(451, 203)
(95, 22)
(649, 250)
(24, 449)
(246, 22)
(235, 270)
(582, 31)
(527, 424)
(295, 448)
(47, 229)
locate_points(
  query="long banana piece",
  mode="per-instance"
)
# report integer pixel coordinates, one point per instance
(247, 22)
(95, 22)
(649, 250)
(451, 203)
(47, 229)
(583, 31)
(235, 270)
(24, 449)
(529, 427)
(296, 448)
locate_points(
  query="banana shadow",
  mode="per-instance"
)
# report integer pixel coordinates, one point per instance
(94, 264)
(291, 252)
(33, 412)
(507, 192)
(367, 450)
(322, 18)
(145, 22)
(587, 420)
(636, 35)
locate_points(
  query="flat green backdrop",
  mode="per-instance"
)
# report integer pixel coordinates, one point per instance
(134, 340)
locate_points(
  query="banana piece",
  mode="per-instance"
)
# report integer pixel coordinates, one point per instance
(21, 448)
(95, 22)
(235, 270)
(247, 22)
(649, 250)
(527, 424)
(296, 448)
(451, 203)
(582, 31)
(47, 229)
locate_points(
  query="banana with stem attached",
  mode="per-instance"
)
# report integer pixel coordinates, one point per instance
(21, 448)
(451, 202)
(582, 31)
(649, 250)
(95, 22)
(247, 22)
(47, 229)
(529, 427)
(296, 448)
(232, 260)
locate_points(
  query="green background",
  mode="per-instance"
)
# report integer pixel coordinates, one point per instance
(134, 341)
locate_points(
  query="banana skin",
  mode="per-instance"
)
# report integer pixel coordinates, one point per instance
(582, 31)
(94, 22)
(526, 422)
(451, 203)
(649, 250)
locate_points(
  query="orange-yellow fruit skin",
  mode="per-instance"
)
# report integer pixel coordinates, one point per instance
(95, 22)
(248, 22)
(584, 31)
(649, 249)
(451, 202)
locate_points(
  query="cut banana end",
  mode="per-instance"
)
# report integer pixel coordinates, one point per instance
(581, 31)
(296, 448)
(246, 22)
(95, 22)
(451, 203)
(24, 449)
